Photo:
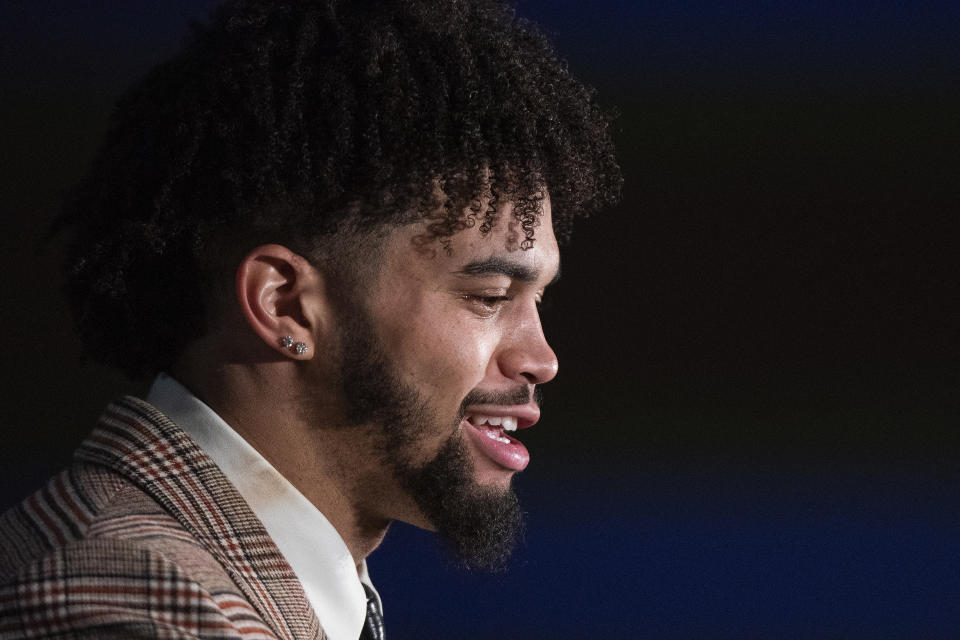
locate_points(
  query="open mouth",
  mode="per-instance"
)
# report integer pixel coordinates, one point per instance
(491, 435)
(495, 427)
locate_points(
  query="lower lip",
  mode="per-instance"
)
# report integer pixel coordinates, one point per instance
(513, 456)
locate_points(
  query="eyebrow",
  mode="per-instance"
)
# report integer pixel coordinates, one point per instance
(496, 266)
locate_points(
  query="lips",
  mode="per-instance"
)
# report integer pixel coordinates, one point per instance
(488, 429)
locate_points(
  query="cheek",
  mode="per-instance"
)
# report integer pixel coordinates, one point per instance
(442, 357)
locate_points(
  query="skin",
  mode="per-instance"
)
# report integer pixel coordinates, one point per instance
(451, 323)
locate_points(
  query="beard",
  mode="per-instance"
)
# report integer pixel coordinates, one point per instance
(477, 527)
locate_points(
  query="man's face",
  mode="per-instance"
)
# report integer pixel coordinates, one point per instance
(443, 355)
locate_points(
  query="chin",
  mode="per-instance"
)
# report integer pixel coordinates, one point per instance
(501, 480)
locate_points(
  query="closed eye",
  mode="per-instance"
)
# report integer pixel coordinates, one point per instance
(486, 306)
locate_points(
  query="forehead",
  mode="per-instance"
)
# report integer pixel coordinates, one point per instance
(472, 252)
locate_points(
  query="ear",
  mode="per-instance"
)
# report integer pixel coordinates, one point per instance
(280, 294)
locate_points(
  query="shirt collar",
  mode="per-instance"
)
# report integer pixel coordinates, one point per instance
(312, 546)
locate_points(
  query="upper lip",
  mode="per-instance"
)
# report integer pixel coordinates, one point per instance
(526, 414)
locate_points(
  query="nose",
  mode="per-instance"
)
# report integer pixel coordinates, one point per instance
(528, 357)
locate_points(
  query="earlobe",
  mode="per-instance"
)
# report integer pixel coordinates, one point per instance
(298, 348)
(275, 287)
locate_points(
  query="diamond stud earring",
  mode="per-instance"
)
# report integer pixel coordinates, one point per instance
(300, 348)
(286, 342)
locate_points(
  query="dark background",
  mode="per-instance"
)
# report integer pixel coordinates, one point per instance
(754, 431)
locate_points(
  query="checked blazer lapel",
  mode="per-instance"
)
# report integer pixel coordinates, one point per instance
(139, 442)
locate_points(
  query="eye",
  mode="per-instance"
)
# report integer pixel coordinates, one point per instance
(486, 305)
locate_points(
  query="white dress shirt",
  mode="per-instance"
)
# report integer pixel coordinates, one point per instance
(313, 548)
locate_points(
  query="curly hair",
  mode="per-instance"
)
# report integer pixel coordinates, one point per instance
(284, 119)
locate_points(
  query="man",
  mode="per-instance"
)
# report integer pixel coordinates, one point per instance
(325, 227)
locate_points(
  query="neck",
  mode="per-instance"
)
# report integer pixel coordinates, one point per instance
(323, 460)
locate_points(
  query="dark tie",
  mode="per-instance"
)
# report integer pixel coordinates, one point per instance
(373, 625)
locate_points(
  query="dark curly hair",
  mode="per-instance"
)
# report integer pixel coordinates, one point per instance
(285, 120)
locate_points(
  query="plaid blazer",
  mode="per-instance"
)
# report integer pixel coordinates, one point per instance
(143, 537)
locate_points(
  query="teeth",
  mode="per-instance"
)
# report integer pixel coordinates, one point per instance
(509, 423)
(493, 436)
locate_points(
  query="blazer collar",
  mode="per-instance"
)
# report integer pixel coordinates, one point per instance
(142, 444)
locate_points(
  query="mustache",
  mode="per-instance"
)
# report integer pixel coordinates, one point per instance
(520, 395)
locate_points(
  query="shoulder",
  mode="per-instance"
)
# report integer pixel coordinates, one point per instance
(58, 513)
(103, 586)
(92, 555)
(77, 503)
